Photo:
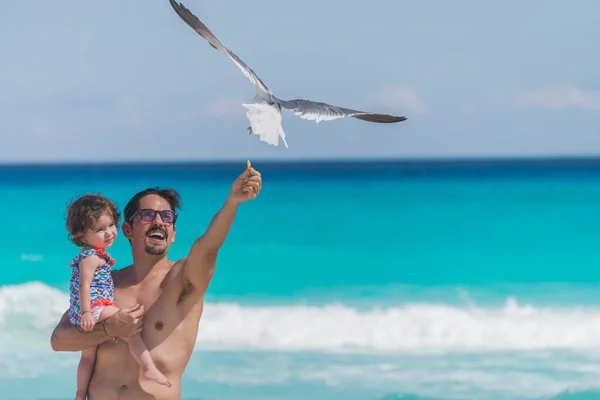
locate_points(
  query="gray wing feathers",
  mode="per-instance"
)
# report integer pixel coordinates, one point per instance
(315, 111)
(189, 18)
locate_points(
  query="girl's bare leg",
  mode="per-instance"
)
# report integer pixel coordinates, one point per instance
(140, 352)
(84, 372)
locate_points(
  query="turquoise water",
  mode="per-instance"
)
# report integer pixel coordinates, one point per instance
(367, 281)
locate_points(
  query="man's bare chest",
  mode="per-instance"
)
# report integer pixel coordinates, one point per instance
(165, 318)
(154, 291)
(159, 305)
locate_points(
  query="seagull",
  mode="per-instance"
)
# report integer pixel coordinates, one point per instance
(264, 113)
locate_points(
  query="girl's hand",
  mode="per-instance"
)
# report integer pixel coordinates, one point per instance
(87, 321)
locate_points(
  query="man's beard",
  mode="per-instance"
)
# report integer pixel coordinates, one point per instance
(155, 250)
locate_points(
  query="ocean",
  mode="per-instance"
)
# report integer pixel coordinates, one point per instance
(343, 280)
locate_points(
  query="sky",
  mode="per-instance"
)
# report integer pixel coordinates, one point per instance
(130, 81)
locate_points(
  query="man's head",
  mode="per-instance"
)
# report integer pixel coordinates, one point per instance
(149, 219)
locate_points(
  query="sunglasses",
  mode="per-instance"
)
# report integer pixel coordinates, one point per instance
(148, 215)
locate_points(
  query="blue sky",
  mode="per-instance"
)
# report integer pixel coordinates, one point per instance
(128, 80)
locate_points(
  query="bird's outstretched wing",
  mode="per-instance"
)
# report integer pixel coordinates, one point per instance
(315, 111)
(203, 31)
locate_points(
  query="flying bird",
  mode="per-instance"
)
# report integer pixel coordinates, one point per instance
(264, 113)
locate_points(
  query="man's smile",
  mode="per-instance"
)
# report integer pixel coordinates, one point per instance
(157, 234)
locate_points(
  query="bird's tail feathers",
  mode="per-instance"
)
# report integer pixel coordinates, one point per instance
(265, 122)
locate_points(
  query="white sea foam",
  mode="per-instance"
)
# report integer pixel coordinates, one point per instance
(480, 348)
(31, 257)
(28, 312)
(410, 327)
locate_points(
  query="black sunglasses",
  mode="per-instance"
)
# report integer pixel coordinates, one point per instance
(149, 215)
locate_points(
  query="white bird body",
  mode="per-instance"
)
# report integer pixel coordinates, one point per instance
(265, 121)
(264, 113)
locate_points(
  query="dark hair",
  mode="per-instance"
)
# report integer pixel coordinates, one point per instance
(84, 211)
(170, 195)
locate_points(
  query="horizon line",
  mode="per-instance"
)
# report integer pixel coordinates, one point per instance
(440, 160)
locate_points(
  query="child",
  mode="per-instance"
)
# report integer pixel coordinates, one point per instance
(92, 224)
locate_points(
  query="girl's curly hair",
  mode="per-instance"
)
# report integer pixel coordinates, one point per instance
(84, 211)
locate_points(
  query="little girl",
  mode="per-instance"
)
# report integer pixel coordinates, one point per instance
(92, 224)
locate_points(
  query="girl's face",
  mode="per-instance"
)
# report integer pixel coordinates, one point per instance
(102, 233)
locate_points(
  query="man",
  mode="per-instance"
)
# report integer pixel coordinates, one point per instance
(167, 295)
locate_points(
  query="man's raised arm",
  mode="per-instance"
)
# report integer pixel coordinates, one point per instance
(200, 264)
(124, 323)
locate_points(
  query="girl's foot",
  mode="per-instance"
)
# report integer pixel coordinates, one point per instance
(157, 376)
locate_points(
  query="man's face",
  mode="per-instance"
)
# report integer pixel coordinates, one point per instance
(155, 235)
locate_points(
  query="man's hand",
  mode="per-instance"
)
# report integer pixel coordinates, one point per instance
(246, 187)
(125, 322)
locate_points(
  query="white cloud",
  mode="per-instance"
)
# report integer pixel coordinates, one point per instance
(559, 97)
(223, 107)
(400, 98)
